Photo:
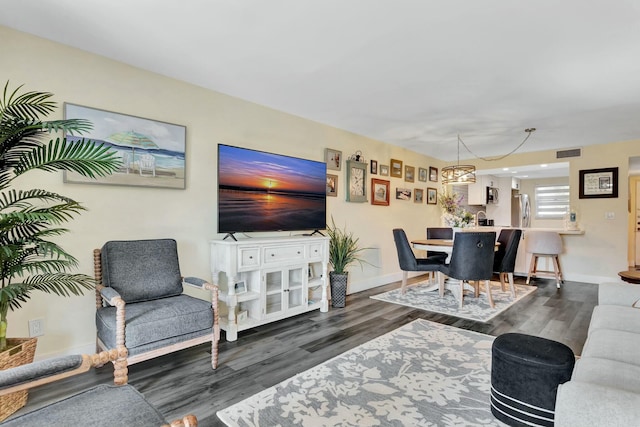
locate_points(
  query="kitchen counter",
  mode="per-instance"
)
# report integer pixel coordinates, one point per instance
(497, 228)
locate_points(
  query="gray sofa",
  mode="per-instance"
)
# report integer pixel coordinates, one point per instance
(605, 386)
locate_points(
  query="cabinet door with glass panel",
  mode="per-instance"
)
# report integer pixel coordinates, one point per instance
(284, 290)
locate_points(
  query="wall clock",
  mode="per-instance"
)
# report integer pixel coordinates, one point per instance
(356, 181)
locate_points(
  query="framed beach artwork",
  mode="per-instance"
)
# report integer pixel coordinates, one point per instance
(418, 195)
(432, 196)
(332, 185)
(422, 174)
(152, 153)
(396, 168)
(333, 159)
(403, 193)
(409, 173)
(384, 170)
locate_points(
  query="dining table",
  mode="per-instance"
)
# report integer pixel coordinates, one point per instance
(443, 245)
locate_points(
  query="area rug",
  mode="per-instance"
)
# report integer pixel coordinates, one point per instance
(422, 374)
(424, 296)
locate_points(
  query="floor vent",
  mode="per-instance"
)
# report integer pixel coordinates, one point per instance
(571, 152)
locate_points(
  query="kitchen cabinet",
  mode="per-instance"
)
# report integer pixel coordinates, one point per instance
(478, 191)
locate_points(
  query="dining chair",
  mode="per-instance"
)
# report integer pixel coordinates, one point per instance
(444, 233)
(409, 262)
(471, 260)
(504, 262)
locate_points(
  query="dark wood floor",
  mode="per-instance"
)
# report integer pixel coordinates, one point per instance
(184, 382)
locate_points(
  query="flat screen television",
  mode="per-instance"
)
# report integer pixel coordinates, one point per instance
(260, 191)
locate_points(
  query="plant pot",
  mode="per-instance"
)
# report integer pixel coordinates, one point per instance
(20, 351)
(338, 283)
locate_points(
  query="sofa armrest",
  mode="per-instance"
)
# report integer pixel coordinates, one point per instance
(110, 295)
(618, 294)
(582, 404)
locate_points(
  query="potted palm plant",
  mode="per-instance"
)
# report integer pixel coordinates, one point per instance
(29, 260)
(344, 250)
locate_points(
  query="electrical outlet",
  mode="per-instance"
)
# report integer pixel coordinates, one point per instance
(36, 328)
(609, 215)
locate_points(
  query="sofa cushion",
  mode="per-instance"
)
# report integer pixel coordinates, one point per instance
(621, 346)
(151, 321)
(606, 372)
(615, 317)
(142, 270)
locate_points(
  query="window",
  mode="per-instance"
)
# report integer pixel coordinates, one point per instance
(552, 201)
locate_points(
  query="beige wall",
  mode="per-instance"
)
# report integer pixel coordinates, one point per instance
(189, 215)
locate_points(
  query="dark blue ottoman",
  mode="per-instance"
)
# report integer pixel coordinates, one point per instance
(525, 374)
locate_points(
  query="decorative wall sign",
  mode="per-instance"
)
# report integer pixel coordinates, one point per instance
(152, 152)
(598, 183)
(379, 192)
(356, 181)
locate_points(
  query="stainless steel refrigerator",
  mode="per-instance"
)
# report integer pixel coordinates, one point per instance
(520, 210)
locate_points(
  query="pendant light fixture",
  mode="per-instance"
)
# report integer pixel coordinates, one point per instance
(459, 174)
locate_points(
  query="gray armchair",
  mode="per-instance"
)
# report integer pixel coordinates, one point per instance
(102, 405)
(140, 305)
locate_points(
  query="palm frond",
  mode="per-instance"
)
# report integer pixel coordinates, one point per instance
(85, 157)
(31, 105)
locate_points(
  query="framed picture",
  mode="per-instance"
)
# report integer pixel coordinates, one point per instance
(433, 174)
(409, 173)
(598, 183)
(403, 193)
(332, 185)
(379, 192)
(333, 158)
(396, 168)
(432, 196)
(152, 152)
(384, 170)
(240, 287)
(374, 167)
(422, 174)
(418, 195)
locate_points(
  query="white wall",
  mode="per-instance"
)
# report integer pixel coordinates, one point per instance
(188, 215)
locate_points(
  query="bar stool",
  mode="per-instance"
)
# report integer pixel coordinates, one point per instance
(544, 244)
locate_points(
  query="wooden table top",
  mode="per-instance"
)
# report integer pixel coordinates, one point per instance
(433, 242)
(630, 276)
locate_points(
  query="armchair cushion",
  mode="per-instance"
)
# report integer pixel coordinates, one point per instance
(151, 321)
(142, 270)
(102, 405)
(40, 369)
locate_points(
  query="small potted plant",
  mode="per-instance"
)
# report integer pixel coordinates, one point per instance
(29, 219)
(344, 250)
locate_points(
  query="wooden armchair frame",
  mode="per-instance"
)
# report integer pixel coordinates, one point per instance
(88, 361)
(123, 360)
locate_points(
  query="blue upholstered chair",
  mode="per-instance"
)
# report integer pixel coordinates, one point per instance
(504, 262)
(141, 307)
(409, 262)
(103, 405)
(471, 260)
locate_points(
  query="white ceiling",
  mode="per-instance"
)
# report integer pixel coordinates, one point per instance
(412, 73)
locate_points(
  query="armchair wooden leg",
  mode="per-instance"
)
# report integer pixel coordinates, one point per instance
(501, 275)
(557, 271)
(532, 267)
(188, 421)
(487, 285)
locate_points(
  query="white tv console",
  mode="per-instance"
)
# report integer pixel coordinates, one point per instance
(282, 276)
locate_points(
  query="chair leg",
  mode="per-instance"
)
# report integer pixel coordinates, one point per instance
(532, 267)
(403, 289)
(512, 286)
(461, 292)
(476, 288)
(556, 270)
(487, 285)
(501, 275)
(440, 283)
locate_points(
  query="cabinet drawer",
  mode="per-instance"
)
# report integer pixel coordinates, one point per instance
(315, 251)
(283, 253)
(249, 257)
